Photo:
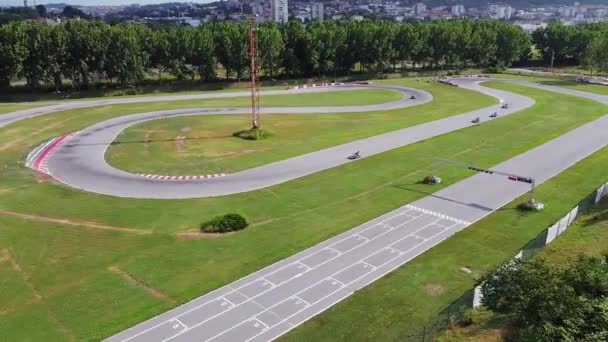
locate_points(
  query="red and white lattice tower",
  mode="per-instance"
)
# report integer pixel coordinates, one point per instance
(255, 88)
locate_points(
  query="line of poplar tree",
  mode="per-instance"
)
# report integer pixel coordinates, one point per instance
(86, 52)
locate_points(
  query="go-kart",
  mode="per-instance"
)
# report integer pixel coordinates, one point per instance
(412, 97)
(493, 115)
(354, 156)
(476, 120)
(504, 106)
(431, 180)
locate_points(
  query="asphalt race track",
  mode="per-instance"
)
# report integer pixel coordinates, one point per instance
(274, 300)
(80, 160)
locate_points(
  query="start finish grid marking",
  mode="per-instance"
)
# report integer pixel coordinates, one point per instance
(433, 213)
(335, 282)
(232, 306)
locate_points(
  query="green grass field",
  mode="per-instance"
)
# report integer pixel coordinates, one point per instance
(566, 82)
(77, 280)
(204, 144)
(587, 236)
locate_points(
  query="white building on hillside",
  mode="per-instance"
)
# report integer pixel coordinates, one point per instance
(317, 11)
(280, 13)
(419, 9)
(457, 10)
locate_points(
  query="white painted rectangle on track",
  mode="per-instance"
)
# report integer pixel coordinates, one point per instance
(320, 290)
(242, 332)
(353, 272)
(269, 317)
(205, 312)
(398, 220)
(407, 243)
(160, 332)
(349, 243)
(235, 297)
(375, 231)
(320, 257)
(256, 287)
(430, 231)
(382, 257)
(287, 273)
(289, 307)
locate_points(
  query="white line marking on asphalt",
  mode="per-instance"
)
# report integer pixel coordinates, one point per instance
(333, 249)
(179, 323)
(365, 264)
(300, 300)
(258, 323)
(262, 278)
(227, 301)
(436, 214)
(334, 281)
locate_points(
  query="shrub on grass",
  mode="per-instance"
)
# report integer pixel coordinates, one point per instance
(224, 224)
(253, 134)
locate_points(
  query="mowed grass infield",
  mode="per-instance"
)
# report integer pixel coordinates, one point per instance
(204, 144)
(116, 262)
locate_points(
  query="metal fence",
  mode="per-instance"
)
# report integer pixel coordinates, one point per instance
(455, 312)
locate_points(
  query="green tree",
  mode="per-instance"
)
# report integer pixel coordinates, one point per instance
(203, 53)
(296, 55)
(126, 59)
(270, 42)
(511, 44)
(13, 51)
(231, 46)
(596, 54)
(41, 9)
(36, 61)
(57, 57)
(552, 304)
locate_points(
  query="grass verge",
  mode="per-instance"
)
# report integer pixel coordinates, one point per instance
(69, 266)
(402, 302)
(587, 236)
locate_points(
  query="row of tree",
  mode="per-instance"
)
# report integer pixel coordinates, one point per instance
(567, 44)
(85, 51)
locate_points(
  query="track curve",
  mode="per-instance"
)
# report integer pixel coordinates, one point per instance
(80, 162)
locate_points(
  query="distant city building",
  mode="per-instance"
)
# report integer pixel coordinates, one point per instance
(501, 12)
(600, 13)
(279, 9)
(419, 9)
(457, 10)
(317, 11)
(567, 12)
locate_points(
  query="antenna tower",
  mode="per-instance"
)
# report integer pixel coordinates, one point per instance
(255, 87)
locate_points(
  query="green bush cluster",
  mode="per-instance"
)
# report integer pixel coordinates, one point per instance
(253, 134)
(224, 224)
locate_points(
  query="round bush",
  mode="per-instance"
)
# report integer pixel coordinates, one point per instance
(224, 224)
(253, 134)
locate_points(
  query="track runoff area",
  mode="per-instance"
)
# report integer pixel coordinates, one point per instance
(274, 300)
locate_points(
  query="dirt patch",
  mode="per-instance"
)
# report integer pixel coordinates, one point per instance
(72, 223)
(42, 177)
(434, 289)
(197, 234)
(180, 143)
(6, 255)
(131, 279)
(185, 129)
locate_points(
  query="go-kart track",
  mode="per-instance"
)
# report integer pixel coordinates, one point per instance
(274, 300)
